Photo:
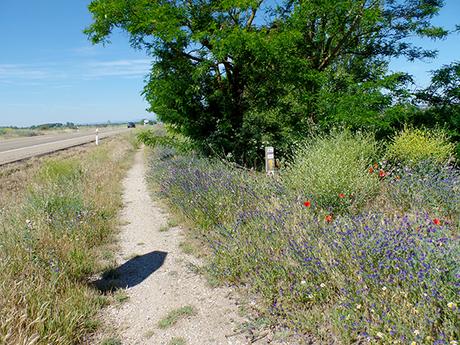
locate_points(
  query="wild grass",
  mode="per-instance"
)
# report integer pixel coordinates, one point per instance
(121, 296)
(384, 272)
(175, 315)
(51, 227)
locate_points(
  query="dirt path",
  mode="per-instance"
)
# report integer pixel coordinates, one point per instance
(159, 280)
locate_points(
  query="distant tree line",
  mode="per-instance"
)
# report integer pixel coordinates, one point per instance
(237, 75)
(46, 126)
(58, 125)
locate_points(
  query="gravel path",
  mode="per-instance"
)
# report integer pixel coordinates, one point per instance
(160, 280)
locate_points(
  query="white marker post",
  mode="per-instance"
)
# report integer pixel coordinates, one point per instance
(270, 160)
(97, 136)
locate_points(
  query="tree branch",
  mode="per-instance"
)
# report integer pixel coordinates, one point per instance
(192, 57)
(342, 42)
(253, 14)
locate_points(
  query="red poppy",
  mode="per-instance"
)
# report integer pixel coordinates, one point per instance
(382, 173)
(328, 218)
(371, 170)
(307, 203)
(341, 195)
(436, 221)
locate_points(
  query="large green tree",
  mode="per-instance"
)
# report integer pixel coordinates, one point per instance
(234, 75)
(439, 103)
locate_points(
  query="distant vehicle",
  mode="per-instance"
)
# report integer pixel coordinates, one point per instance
(131, 125)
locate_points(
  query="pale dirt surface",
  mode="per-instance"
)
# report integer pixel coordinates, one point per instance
(161, 280)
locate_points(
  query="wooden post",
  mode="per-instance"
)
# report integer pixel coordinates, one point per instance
(97, 136)
(270, 160)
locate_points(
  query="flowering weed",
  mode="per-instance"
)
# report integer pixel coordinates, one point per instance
(333, 171)
(364, 276)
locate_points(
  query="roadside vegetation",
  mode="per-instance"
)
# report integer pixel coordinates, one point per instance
(53, 219)
(351, 241)
(356, 238)
(10, 132)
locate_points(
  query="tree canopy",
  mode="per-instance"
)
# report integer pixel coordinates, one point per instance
(440, 102)
(235, 75)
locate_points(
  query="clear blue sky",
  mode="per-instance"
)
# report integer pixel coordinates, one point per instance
(49, 72)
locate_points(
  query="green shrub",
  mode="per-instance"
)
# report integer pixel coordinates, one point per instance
(332, 171)
(413, 145)
(167, 137)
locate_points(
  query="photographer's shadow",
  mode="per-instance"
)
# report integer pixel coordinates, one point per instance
(131, 273)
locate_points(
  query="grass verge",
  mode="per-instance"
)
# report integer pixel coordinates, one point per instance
(50, 229)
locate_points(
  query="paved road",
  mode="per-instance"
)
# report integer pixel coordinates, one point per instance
(12, 150)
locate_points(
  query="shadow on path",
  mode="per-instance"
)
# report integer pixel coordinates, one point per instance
(132, 272)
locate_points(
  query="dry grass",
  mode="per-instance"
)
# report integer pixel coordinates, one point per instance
(54, 215)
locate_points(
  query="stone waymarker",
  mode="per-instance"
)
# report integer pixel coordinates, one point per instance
(270, 160)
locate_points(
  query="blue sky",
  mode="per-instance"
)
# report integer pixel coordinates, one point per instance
(49, 72)
(448, 49)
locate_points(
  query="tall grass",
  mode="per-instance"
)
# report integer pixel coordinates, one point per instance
(49, 233)
(375, 275)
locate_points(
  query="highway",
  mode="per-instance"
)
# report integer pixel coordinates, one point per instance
(12, 150)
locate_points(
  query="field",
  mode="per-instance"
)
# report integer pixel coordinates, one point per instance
(10, 132)
(54, 216)
(353, 241)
